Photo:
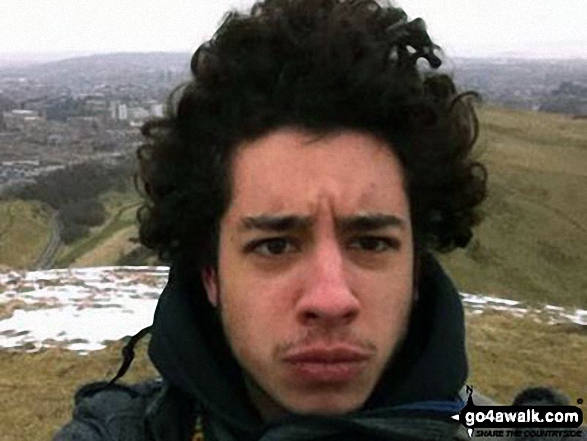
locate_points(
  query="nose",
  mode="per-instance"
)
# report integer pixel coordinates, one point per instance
(327, 300)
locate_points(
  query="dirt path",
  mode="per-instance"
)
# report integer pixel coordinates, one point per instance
(45, 260)
(88, 244)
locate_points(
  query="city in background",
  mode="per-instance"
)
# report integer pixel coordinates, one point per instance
(91, 108)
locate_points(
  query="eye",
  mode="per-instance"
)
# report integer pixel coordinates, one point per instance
(374, 244)
(274, 246)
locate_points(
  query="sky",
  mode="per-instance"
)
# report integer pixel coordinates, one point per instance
(544, 28)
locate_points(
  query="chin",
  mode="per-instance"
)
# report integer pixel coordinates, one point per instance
(325, 404)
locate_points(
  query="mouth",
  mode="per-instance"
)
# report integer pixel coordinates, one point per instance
(327, 364)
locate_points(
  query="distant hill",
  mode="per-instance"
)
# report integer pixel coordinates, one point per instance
(521, 82)
(507, 81)
(154, 74)
(117, 62)
(11, 60)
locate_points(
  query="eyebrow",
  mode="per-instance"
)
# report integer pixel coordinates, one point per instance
(369, 222)
(362, 222)
(275, 223)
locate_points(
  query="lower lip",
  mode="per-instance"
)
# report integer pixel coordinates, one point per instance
(317, 372)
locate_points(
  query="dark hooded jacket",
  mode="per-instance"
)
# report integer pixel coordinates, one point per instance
(202, 394)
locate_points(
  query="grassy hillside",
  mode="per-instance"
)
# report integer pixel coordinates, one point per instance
(533, 242)
(105, 243)
(24, 232)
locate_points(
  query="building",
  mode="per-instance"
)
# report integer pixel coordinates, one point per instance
(22, 120)
(86, 124)
(138, 113)
(122, 112)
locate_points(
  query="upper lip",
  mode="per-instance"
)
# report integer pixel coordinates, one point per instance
(328, 354)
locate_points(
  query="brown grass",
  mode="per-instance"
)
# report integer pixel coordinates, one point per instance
(36, 390)
(508, 354)
(24, 232)
(7, 308)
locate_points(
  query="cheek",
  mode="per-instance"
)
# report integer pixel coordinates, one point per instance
(392, 279)
(386, 299)
(256, 312)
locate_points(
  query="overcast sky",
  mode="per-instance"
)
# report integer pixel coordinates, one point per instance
(462, 27)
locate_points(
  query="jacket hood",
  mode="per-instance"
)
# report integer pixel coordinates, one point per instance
(189, 349)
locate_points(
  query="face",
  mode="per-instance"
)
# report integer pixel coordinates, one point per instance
(314, 279)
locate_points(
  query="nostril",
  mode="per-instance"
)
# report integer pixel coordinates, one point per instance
(316, 315)
(311, 316)
(349, 316)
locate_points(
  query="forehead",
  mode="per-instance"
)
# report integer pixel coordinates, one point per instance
(293, 171)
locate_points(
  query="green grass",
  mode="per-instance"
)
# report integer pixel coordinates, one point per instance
(24, 232)
(532, 244)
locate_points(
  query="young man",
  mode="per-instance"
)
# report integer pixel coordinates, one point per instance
(296, 188)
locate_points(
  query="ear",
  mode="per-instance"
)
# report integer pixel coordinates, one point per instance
(210, 281)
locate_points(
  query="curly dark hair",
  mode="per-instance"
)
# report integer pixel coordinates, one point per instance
(321, 66)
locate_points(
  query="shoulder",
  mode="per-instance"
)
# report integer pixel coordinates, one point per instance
(110, 412)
